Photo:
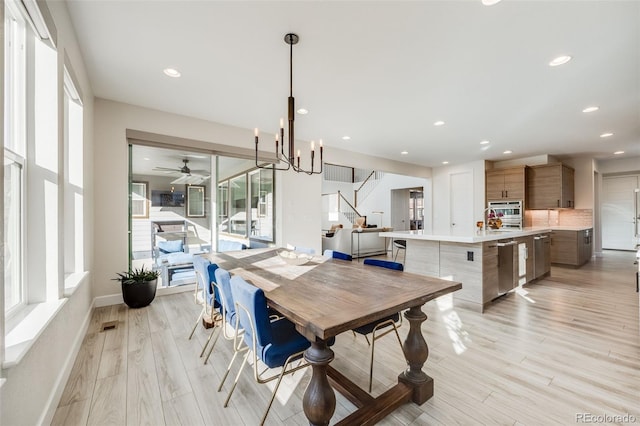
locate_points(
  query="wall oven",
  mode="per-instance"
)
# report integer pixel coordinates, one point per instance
(510, 212)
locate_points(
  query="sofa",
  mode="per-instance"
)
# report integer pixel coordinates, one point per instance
(348, 240)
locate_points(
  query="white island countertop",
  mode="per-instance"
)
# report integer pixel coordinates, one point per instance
(477, 237)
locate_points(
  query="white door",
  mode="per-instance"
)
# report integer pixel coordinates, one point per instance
(461, 215)
(619, 212)
(400, 209)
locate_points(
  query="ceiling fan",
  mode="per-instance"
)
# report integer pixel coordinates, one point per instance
(188, 176)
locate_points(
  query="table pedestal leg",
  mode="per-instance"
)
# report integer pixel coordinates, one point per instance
(319, 400)
(416, 352)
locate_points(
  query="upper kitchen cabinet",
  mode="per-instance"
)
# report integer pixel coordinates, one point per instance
(506, 184)
(550, 186)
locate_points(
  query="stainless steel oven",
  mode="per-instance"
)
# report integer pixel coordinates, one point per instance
(510, 212)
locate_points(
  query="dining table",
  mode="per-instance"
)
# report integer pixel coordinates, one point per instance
(326, 297)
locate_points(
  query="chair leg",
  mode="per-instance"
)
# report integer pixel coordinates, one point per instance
(273, 396)
(373, 344)
(193, 330)
(211, 347)
(235, 382)
(233, 359)
(396, 256)
(204, 348)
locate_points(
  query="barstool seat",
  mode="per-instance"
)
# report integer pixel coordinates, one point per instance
(400, 245)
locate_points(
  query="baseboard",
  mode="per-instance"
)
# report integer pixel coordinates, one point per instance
(63, 377)
(598, 254)
(108, 300)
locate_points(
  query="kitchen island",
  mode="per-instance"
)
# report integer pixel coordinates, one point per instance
(489, 263)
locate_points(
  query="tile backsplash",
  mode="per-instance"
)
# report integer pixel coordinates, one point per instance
(560, 217)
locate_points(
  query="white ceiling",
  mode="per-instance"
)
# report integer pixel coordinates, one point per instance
(383, 72)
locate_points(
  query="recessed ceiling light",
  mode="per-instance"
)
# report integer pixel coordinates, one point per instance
(619, 152)
(484, 142)
(172, 72)
(302, 111)
(146, 158)
(404, 152)
(606, 135)
(490, 2)
(560, 60)
(445, 162)
(591, 109)
(346, 138)
(438, 123)
(507, 152)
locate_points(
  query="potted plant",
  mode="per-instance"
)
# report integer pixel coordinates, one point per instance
(138, 286)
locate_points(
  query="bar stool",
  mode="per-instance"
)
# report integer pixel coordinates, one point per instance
(400, 245)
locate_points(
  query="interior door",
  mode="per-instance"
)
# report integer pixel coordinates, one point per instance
(400, 209)
(619, 212)
(461, 185)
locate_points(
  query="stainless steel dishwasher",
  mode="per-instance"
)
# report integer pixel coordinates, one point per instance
(541, 255)
(507, 266)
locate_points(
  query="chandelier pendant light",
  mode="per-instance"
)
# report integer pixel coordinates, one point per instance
(291, 160)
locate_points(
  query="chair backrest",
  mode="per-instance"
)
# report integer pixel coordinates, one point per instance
(384, 264)
(223, 281)
(252, 298)
(205, 274)
(340, 255)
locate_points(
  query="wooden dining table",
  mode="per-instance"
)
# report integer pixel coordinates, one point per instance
(326, 297)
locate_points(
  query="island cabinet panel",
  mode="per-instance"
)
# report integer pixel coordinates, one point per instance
(506, 184)
(489, 271)
(454, 265)
(423, 257)
(571, 247)
(526, 261)
(564, 247)
(550, 186)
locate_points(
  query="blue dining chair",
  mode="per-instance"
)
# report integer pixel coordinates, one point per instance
(275, 343)
(337, 255)
(222, 286)
(207, 296)
(383, 326)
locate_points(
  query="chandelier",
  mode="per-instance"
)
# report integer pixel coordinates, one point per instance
(290, 159)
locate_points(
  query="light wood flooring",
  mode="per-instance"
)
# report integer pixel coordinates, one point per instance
(566, 345)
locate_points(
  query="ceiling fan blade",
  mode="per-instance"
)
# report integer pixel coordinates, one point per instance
(165, 169)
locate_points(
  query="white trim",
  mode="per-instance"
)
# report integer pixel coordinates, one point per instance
(73, 281)
(116, 299)
(55, 396)
(19, 340)
(598, 254)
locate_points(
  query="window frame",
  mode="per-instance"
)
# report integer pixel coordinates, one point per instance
(24, 296)
(145, 215)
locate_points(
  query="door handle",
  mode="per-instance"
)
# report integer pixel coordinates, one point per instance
(506, 194)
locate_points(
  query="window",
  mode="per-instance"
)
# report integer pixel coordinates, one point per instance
(196, 201)
(73, 180)
(13, 232)
(139, 200)
(238, 205)
(14, 159)
(261, 188)
(223, 206)
(253, 219)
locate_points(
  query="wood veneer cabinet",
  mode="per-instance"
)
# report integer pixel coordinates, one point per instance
(506, 184)
(571, 247)
(550, 186)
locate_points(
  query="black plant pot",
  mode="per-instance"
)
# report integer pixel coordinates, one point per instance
(139, 295)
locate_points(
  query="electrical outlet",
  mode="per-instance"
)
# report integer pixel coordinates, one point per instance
(470, 256)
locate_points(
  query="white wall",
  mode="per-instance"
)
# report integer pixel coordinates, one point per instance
(583, 181)
(298, 201)
(32, 388)
(380, 198)
(619, 165)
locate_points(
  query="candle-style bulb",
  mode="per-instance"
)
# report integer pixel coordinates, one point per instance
(313, 146)
(256, 132)
(298, 153)
(282, 123)
(277, 137)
